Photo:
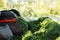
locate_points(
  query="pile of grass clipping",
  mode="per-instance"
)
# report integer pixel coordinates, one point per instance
(42, 29)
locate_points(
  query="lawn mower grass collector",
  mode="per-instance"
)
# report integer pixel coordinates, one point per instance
(9, 24)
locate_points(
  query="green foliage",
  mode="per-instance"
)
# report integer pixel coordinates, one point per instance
(45, 22)
(16, 38)
(34, 25)
(33, 38)
(51, 29)
(23, 24)
(28, 33)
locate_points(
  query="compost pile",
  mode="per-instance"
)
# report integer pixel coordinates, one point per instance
(42, 29)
